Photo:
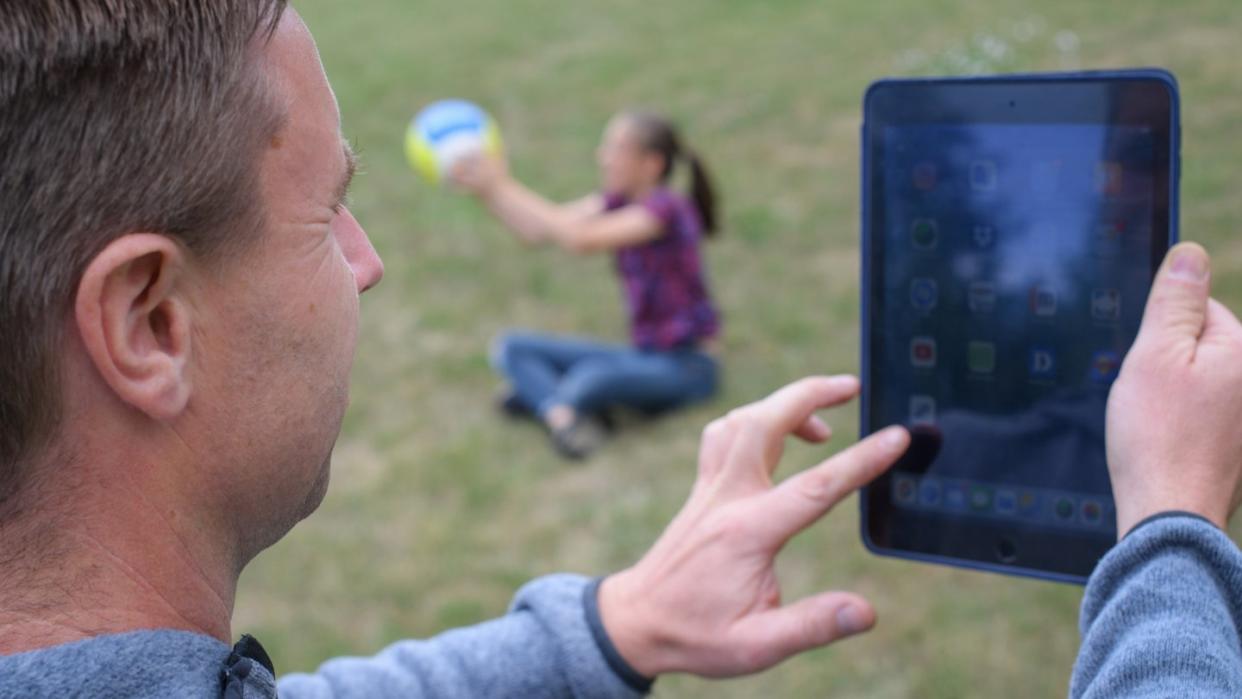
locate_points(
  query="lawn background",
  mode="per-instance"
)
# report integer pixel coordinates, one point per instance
(439, 509)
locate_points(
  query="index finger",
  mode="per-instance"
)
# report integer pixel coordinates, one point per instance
(788, 408)
(803, 498)
(763, 426)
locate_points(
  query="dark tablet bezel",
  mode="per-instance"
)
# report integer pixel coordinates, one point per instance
(1147, 98)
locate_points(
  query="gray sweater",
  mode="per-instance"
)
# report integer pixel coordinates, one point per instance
(550, 644)
(1161, 617)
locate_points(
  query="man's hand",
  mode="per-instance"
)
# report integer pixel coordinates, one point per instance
(705, 599)
(1175, 414)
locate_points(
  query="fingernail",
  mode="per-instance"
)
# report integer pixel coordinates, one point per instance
(893, 437)
(851, 620)
(1189, 264)
(843, 381)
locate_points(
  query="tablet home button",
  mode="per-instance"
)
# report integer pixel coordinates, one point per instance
(1006, 551)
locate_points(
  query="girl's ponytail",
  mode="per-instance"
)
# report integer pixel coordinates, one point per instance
(658, 135)
(702, 191)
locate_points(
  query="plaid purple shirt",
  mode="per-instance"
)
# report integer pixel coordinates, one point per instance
(665, 286)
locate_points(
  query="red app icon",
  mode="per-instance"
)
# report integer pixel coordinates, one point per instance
(925, 176)
(1108, 238)
(923, 352)
(1043, 301)
(1092, 512)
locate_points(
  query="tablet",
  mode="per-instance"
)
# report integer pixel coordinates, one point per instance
(1011, 229)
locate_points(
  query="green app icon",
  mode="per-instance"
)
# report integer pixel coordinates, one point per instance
(980, 498)
(923, 233)
(981, 357)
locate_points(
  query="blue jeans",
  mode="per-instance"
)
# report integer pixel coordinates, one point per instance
(590, 376)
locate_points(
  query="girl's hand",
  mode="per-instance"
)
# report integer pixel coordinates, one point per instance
(479, 173)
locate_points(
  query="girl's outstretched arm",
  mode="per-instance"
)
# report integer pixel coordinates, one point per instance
(581, 226)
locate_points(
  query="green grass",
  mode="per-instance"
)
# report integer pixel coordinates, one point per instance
(439, 509)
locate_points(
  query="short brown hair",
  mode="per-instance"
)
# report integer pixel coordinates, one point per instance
(116, 116)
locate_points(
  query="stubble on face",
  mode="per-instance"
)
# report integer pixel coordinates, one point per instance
(285, 317)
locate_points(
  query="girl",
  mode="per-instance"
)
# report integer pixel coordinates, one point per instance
(654, 234)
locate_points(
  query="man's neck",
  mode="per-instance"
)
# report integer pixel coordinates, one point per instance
(85, 574)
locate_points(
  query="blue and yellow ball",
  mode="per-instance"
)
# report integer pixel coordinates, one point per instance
(444, 132)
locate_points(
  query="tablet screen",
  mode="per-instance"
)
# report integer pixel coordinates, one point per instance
(1010, 264)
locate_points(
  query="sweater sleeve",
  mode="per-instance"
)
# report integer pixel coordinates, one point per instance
(544, 647)
(1162, 613)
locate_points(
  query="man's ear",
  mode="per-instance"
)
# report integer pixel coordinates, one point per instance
(132, 315)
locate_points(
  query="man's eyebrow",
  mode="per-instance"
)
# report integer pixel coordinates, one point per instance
(351, 169)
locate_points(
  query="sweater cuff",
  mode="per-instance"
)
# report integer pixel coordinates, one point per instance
(1167, 515)
(623, 670)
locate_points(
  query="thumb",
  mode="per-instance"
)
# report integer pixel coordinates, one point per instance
(1178, 305)
(808, 623)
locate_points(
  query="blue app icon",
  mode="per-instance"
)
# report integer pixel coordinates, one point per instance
(1042, 363)
(955, 497)
(1006, 502)
(930, 492)
(1104, 366)
(983, 175)
(923, 293)
(983, 236)
(905, 490)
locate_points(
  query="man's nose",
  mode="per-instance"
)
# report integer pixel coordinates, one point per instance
(363, 260)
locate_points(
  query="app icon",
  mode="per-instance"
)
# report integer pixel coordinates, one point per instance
(980, 498)
(922, 411)
(1108, 237)
(1106, 305)
(1092, 512)
(981, 297)
(1042, 363)
(923, 293)
(924, 233)
(1109, 178)
(955, 496)
(1028, 503)
(925, 176)
(929, 492)
(1046, 177)
(1006, 502)
(923, 352)
(905, 491)
(983, 236)
(1043, 301)
(983, 176)
(1104, 366)
(981, 357)
(1064, 509)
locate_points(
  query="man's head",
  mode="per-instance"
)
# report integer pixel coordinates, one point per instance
(178, 276)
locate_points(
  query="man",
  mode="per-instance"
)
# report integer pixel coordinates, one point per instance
(180, 289)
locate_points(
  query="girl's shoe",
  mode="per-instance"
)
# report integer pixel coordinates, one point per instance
(579, 439)
(510, 405)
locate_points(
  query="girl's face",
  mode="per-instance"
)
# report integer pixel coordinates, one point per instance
(625, 167)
